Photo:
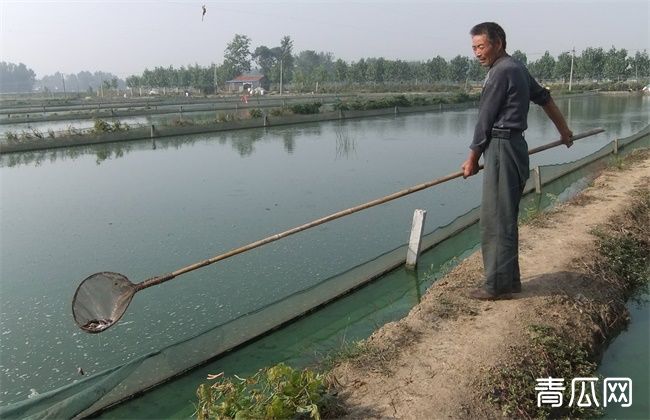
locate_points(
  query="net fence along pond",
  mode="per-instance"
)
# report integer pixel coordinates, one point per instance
(95, 393)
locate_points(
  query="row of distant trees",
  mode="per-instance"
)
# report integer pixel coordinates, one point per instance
(276, 63)
(15, 78)
(307, 69)
(593, 64)
(84, 81)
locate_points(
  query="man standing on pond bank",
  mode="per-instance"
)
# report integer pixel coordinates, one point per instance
(498, 136)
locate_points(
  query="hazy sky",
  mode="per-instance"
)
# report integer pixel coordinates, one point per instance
(125, 37)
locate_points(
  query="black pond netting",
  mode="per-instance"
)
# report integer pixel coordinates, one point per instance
(107, 388)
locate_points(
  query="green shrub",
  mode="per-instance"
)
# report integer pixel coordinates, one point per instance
(277, 112)
(420, 101)
(278, 392)
(73, 131)
(225, 117)
(339, 105)
(255, 113)
(392, 102)
(308, 108)
(182, 122)
(358, 105)
(101, 126)
(399, 100)
(377, 104)
(11, 136)
(460, 97)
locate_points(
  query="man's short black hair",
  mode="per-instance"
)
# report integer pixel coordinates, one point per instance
(493, 31)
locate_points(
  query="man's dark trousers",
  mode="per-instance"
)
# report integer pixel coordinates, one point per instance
(505, 174)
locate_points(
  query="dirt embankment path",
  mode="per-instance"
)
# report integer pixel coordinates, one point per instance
(431, 364)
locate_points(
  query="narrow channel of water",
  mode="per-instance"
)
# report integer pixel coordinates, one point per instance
(627, 357)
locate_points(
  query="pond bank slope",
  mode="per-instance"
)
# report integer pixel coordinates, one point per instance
(453, 357)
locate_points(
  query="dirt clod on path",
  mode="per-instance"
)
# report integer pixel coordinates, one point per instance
(433, 362)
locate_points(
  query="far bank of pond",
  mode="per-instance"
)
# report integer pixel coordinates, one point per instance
(302, 112)
(192, 121)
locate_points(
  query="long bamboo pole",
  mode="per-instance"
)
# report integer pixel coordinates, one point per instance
(161, 279)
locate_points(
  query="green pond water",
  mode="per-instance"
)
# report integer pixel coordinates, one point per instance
(627, 357)
(144, 209)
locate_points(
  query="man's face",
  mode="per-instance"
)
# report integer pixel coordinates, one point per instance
(484, 50)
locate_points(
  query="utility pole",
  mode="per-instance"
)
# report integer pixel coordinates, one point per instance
(63, 80)
(281, 60)
(573, 53)
(214, 65)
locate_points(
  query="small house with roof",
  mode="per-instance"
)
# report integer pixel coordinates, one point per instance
(247, 82)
